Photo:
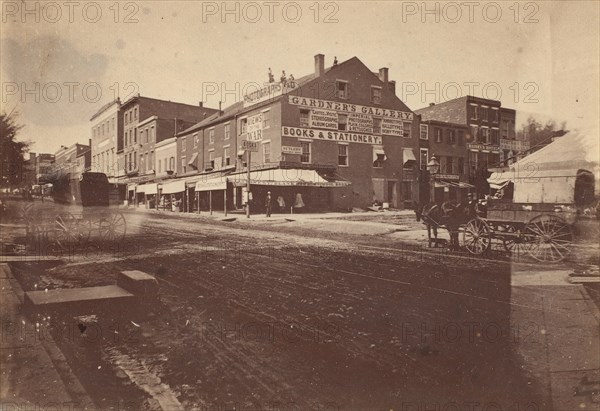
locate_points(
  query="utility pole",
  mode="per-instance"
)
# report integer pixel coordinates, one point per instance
(248, 185)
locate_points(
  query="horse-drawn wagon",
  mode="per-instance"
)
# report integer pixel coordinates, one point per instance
(83, 201)
(555, 197)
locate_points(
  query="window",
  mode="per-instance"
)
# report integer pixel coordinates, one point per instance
(461, 165)
(304, 118)
(424, 132)
(305, 156)
(160, 165)
(406, 129)
(211, 136)
(461, 138)
(342, 121)
(183, 164)
(376, 125)
(172, 163)
(438, 135)
(135, 135)
(376, 94)
(226, 157)
(147, 136)
(341, 89)
(266, 152)
(211, 159)
(112, 123)
(494, 136)
(474, 133)
(135, 113)
(505, 127)
(450, 165)
(474, 112)
(152, 133)
(342, 154)
(485, 135)
(484, 113)
(495, 115)
(243, 125)
(183, 144)
(379, 159)
(451, 137)
(424, 158)
(227, 131)
(266, 123)
(196, 139)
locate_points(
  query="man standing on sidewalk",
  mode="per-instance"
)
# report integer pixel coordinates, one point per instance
(268, 204)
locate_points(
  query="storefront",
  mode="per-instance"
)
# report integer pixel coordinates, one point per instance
(172, 196)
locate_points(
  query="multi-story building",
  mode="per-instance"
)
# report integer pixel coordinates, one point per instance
(36, 166)
(483, 119)
(513, 146)
(335, 139)
(107, 126)
(65, 159)
(141, 109)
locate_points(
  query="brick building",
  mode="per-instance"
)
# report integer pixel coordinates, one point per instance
(143, 109)
(338, 137)
(65, 159)
(482, 119)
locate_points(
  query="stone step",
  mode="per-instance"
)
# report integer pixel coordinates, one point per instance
(78, 301)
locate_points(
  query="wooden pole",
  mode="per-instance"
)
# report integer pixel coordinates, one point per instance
(225, 198)
(198, 200)
(210, 201)
(248, 186)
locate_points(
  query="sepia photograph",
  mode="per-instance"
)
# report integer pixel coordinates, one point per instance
(300, 205)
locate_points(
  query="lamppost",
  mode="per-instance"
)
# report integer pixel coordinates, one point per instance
(433, 166)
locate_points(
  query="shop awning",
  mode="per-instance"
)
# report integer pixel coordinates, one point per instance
(192, 161)
(216, 183)
(148, 189)
(408, 155)
(500, 185)
(173, 187)
(286, 177)
(131, 187)
(460, 184)
(439, 184)
(378, 152)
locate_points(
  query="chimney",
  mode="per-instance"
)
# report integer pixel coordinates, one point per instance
(319, 65)
(220, 111)
(383, 75)
(201, 104)
(392, 86)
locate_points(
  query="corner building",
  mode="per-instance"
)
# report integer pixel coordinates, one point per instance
(339, 136)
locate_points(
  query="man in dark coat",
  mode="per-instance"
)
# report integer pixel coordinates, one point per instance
(268, 204)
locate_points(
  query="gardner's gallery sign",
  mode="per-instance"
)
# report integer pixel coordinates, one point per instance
(314, 103)
(330, 135)
(268, 92)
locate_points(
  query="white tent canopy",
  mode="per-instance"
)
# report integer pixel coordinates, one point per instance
(548, 175)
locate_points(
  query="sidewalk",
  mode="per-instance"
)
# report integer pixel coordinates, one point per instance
(35, 374)
(558, 329)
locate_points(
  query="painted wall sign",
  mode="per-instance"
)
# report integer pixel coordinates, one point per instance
(360, 123)
(327, 119)
(330, 135)
(392, 127)
(270, 91)
(254, 127)
(313, 103)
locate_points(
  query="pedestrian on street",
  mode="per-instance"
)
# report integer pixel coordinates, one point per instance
(281, 203)
(268, 204)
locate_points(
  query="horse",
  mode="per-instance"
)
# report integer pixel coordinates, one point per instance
(448, 215)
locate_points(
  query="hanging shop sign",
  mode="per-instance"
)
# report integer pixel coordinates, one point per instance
(291, 150)
(255, 127)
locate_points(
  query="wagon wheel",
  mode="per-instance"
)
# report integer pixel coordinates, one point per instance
(518, 245)
(551, 238)
(113, 227)
(477, 236)
(69, 229)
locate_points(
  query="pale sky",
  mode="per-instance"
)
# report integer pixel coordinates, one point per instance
(546, 63)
